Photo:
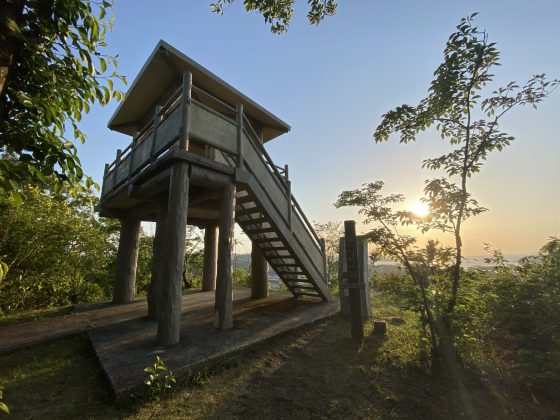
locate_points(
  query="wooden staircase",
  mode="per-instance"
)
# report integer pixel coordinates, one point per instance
(279, 247)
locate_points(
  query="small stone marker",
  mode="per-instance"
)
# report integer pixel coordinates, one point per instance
(380, 327)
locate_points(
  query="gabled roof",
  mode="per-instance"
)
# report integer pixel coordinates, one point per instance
(166, 65)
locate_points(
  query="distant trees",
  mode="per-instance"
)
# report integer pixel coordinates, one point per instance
(331, 232)
(57, 251)
(470, 124)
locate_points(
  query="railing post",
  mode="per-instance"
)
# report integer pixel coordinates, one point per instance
(286, 173)
(325, 266)
(239, 114)
(106, 171)
(117, 162)
(289, 195)
(185, 110)
(154, 134)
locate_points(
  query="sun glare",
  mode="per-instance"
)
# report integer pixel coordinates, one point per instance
(420, 209)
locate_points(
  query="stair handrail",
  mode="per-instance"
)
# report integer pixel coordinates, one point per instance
(268, 160)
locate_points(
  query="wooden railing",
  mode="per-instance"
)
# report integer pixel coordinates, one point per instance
(223, 127)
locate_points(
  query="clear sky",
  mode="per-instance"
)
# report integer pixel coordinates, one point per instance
(332, 83)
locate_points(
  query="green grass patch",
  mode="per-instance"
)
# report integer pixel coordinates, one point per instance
(35, 314)
(314, 372)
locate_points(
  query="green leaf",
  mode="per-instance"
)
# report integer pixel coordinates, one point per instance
(4, 408)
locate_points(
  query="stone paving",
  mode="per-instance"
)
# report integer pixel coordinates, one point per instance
(125, 348)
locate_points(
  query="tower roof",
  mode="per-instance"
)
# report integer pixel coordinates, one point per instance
(165, 67)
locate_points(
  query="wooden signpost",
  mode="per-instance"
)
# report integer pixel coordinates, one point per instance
(353, 280)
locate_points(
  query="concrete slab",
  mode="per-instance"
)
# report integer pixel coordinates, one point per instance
(125, 348)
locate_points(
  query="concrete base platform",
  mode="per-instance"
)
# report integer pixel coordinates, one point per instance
(126, 348)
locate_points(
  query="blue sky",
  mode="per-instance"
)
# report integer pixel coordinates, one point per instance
(333, 82)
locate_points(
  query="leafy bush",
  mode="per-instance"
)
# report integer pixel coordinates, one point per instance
(57, 250)
(525, 305)
(241, 277)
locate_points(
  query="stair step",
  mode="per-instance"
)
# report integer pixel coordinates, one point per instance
(245, 199)
(308, 294)
(294, 282)
(282, 273)
(304, 287)
(253, 221)
(282, 257)
(286, 265)
(261, 240)
(247, 212)
(289, 277)
(270, 248)
(261, 230)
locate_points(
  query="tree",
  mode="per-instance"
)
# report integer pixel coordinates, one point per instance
(471, 126)
(278, 13)
(378, 209)
(469, 123)
(57, 250)
(331, 232)
(52, 68)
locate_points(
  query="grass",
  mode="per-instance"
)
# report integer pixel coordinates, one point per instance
(314, 372)
(35, 314)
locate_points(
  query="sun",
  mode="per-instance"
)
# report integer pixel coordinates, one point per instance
(420, 209)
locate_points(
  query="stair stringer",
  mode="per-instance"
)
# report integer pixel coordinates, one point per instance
(311, 269)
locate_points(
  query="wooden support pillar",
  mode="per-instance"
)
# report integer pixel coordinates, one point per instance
(210, 267)
(158, 260)
(127, 258)
(259, 274)
(169, 290)
(223, 317)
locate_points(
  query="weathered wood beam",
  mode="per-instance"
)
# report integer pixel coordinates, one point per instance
(205, 196)
(127, 257)
(152, 186)
(169, 299)
(223, 318)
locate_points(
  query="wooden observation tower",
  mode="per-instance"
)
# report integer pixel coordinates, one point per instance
(197, 157)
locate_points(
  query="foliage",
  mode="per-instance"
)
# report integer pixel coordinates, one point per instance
(160, 379)
(524, 303)
(144, 263)
(469, 123)
(278, 14)
(194, 258)
(241, 277)
(331, 232)
(419, 263)
(52, 69)
(57, 251)
(3, 406)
